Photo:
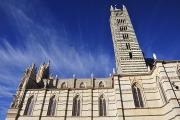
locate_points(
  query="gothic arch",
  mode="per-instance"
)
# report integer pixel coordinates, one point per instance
(29, 106)
(76, 105)
(101, 84)
(82, 85)
(64, 85)
(178, 69)
(102, 102)
(137, 95)
(52, 106)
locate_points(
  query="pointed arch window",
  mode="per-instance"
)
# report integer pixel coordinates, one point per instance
(138, 101)
(102, 106)
(178, 69)
(101, 85)
(130, 55)
(63, 85)
(128, 46)
(76, 106)
(29, 106)
(52, 106)
(120, 21)
(125, 36)
(82, 85)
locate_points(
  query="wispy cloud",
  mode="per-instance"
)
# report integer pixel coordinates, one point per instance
(39, 44)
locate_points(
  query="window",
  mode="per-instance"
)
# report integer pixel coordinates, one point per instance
(128, 46)
(52, 106)
(102, 106)
(101, 84)
(29, 106)
(138, 102)
(123, 28)
(130, 55)
(63, 85)
(178, 69)
(82, 85)
(125, 36)
(120, 21)
(117, 14)
(76, 106)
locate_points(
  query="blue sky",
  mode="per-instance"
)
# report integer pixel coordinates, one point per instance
(75, 36)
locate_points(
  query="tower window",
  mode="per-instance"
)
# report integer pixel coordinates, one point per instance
(76, 106)
(120, 21)
(29, 106)
(138, 102)
(52, 106)
(123, 28)
(125, 36)
(117, 14)
(102, 106)
(128, 46)
(130, 55)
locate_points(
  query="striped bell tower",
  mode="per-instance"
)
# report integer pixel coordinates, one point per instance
(128, 55)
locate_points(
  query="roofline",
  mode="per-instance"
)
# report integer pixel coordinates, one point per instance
(150, 72)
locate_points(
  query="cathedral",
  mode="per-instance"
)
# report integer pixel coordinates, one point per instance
(139, 88)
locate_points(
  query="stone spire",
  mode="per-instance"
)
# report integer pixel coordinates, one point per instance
(43, 72)
(111, 9)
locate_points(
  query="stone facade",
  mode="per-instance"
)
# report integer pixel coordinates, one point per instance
(134, 92)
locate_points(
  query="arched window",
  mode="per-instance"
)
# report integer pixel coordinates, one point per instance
(178, 69)
(102, 106)
(128, 46)
(52, 106)
(76, 106)
(138, 101)
(101, 84)
(29, 106)
(63, 85)
(130, 55)
(82, 85)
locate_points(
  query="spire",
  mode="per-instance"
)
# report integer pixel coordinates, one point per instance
(154, 56)
(43, 72)
(114, 71)
(92, 75)
(124, 7)
(74, 76)
(48, 62)
(111, 9)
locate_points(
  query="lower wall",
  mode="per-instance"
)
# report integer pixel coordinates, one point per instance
(170, 111)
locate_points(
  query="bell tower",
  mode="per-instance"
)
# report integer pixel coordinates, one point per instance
(128, 55)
